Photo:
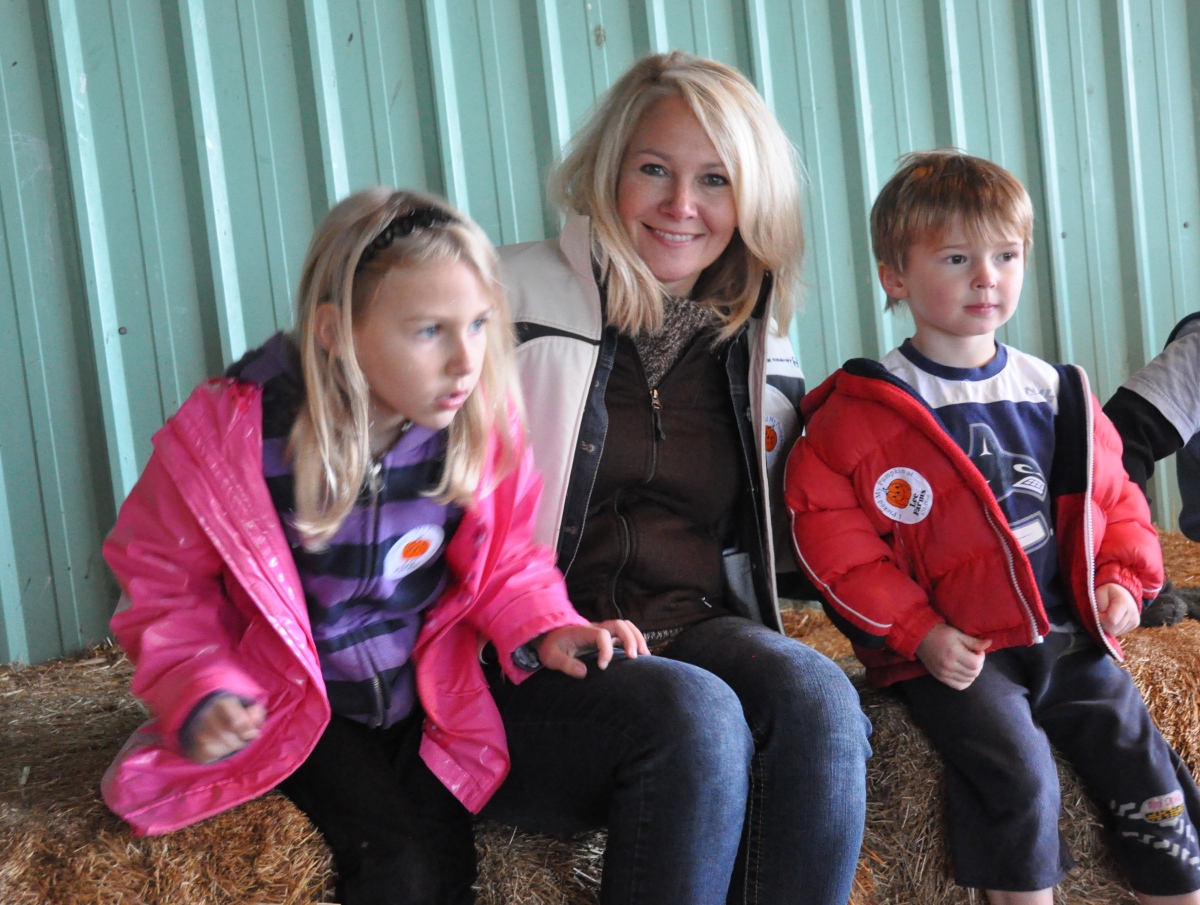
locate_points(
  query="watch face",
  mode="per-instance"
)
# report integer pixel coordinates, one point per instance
(526, 658)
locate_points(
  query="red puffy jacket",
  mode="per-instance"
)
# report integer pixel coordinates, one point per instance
(214, 603)
(888, 582)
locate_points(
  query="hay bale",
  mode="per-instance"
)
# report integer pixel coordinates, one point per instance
(1181, 557)
(61, 723)
(519, 868)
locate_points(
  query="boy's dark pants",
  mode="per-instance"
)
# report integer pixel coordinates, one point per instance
(398, 836)
(1002, 784)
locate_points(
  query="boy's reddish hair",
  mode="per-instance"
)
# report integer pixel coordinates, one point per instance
(931, 190)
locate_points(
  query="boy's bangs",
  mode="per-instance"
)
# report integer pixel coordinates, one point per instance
(991, 223)
(992, 226)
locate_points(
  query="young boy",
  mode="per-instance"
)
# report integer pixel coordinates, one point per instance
(963, 508)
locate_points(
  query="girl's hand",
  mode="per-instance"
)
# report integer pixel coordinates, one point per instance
(224, 726)
(952, 657)
(1118, 609)
(560, 648)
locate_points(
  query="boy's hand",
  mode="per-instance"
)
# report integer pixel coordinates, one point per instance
(952, 657)
(224, 726)
(560, 648)
(1118, 609)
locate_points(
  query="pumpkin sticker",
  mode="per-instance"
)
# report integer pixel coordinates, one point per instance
(899, 492)
(772, 437)
(415, 548)
(903, 495)
(412, 550)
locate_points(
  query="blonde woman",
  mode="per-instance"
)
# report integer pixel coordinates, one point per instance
(661, 391)
(319, 546)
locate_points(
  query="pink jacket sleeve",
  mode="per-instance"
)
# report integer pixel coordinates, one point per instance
(178, 627)
(520, 593)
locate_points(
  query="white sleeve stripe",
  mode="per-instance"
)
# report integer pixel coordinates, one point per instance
(884, 626)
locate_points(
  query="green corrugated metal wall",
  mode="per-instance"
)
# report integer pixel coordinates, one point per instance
(162, 165)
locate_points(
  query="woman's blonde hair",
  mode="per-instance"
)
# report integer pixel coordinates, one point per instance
(329, 443)
(762, 166)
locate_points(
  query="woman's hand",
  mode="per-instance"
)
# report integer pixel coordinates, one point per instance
(1118, 610)
(952, 657)
(223, 727)
(560, 648)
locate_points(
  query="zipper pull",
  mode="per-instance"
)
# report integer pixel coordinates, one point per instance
(656, 407)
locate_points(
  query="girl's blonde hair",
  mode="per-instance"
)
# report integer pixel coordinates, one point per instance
(329, 442)
(762, 166)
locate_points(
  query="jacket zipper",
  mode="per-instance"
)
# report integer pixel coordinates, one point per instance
(1088, 526)
(656, 415)
(377, 693)
(658, 434)
(373, 479)
(1034, 637)
(377, 696)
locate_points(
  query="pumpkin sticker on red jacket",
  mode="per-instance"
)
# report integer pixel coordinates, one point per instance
(772, 431)
(415, 547)
(903, 495)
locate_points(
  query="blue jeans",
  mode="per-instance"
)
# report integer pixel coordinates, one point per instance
(736, 755)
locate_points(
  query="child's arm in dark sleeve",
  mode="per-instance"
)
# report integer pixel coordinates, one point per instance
(1146, 434)
(1129, 553)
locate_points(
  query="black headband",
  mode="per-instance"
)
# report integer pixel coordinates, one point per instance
(404, 225)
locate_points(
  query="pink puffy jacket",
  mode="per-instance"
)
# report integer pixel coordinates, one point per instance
(213, 602)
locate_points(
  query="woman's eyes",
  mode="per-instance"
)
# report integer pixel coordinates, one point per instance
(428, 332)
(708, 180)
(479, 323)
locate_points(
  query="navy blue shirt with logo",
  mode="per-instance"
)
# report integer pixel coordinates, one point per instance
(1002, 416)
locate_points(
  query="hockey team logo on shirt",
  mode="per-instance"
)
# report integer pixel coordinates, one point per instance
(903, 495)
(1004, 471)
(414, 548)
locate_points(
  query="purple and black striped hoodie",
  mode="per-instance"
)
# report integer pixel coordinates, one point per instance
(368, 590)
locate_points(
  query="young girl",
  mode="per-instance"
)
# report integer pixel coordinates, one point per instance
(318, 548)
